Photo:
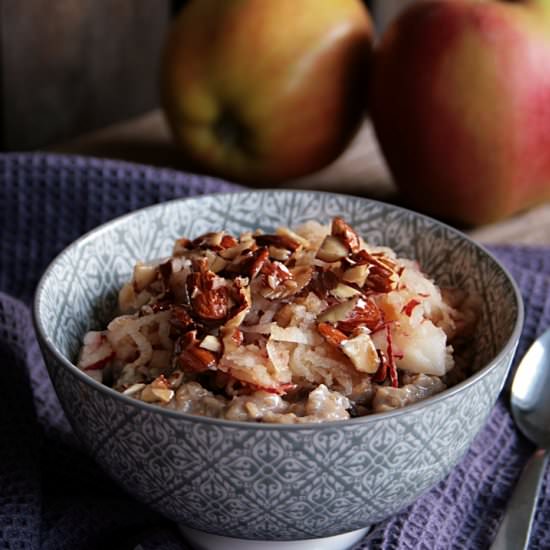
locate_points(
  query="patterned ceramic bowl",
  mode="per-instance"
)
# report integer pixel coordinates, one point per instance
(259, 481)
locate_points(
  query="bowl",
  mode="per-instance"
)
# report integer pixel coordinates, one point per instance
(269, 482)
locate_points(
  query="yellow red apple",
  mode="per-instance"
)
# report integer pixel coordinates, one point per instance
(460, 99)
(264, 90)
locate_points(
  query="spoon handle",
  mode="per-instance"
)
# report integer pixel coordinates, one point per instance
(515, 529)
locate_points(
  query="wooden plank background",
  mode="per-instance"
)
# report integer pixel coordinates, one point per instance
(70, 66)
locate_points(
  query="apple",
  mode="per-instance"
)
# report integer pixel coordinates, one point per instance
(260, 91)
(460, 100)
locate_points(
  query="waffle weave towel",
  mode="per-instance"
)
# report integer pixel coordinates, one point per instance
(53, 497)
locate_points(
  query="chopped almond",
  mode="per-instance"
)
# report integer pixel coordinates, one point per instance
(356, 274)
(211, 343)
(346, 234)
(332, 249)
(343, 292)
(279, 241)
(332, 335)
(208, 299)
(362, 353)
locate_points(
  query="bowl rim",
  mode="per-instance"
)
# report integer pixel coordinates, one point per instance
(509, 347)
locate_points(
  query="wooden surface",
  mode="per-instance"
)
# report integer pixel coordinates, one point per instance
(70, 66)
(361, 170)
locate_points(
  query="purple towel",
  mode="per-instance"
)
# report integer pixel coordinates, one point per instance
(52, 496)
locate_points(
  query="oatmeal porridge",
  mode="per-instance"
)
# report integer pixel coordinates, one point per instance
(306, 325)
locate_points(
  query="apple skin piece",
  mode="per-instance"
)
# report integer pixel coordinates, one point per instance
(460, 100)
(260, 91)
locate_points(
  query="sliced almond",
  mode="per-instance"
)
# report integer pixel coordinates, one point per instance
(332, 335)
(181, 247)
(279, 241)
(246, 243)
(150, 394)
(344, 292)
(357, 274)
(211, 240)
(295, 280)
(332, 249)
(383, 273)
(211, 343)
(144, 275)
(362, 353)
(346, 234)
(195, 359)
(365, 315)
(216, 263)
(228, 241)
(286, 232)
(242, 307)
(302, 274)
(133, 389)
(281, 254)
(127, 298)
(353, 314)
(382, 279)
(338, 312)
(207, 292)
(284, 315)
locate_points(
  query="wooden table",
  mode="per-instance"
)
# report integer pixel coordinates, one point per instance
(361, 170)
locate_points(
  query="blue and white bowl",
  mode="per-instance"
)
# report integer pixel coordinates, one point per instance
(260, 481)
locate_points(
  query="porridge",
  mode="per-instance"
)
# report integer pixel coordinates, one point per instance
(306, 325)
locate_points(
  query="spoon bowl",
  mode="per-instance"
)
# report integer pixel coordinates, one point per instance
(530, 399)
(530, 404)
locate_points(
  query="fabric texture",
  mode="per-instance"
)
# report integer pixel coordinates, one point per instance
(53, 496)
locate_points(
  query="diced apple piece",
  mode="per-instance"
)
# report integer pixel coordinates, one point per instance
(426, 349)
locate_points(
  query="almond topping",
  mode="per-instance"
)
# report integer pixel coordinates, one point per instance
(332, 249)
(351, 314)
(144, 275)
(286, 232)
(228, 241)
(344, 291)
(246, 243)
(181, 246)
(338, 312)
(346, 234)
(211, 343)
(279, 241)
(196, 359)
(281, 254)
(208, 299)
(366, 313)
(211, 240)
(150, 394)
(362, 353)
(252, 264)
(383, 273)
(357, 275)
(332, 335)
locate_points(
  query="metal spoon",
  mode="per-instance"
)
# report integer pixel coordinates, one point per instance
(530, 401)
